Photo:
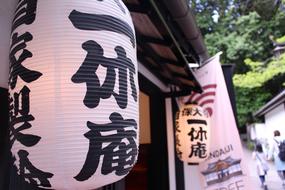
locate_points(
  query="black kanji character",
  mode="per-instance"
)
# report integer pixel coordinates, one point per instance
(191, 134)
(16, 67)
(198, 150)
(20, 115)
(179, 153)
(119, 5)
(119, 154)
(191, 111)
(87, 73)
(197, 111)
(25, 13)
(187, 112)
(31, 173)
(96, 22)
(177, 130)
(200, 135)
(177, 116)
(177, 140)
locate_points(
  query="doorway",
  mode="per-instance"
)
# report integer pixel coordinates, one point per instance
(138, 177)
(151, 170)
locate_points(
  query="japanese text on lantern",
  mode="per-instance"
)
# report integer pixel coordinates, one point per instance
(120, 154)
(19, 100)
(197, 134)
(177, 131)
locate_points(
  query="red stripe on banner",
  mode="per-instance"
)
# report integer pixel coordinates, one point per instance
(205, 95)
(192, 96)
(206, 102)
(209, 86)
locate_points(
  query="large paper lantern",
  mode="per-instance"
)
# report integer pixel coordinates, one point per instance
(6, 17)
(192, 132)
(73, 93)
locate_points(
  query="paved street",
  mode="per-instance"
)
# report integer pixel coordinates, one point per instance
(272, 179)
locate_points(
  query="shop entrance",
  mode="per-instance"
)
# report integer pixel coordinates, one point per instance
(138, 177)
(151, 170)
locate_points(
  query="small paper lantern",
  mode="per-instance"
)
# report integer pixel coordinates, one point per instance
(73, 93)
(192, 133)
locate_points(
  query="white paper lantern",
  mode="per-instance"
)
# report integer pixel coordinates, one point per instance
(192, 134)
(73, 93)
(6, 17)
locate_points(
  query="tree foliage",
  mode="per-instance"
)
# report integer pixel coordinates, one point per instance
(260, 73)
(237, 31)
(255, 87)
(242, 30)
(281, 40)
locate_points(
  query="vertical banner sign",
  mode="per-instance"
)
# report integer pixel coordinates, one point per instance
(73, 93)
(225, 168)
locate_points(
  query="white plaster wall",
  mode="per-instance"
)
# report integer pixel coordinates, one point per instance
(262, 134)
(252, 132)
(261, 131)
(275, 120)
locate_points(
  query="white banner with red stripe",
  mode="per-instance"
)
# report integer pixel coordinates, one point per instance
(225, 168)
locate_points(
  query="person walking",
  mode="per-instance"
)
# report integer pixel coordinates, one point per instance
(274, 153)
(261, 164)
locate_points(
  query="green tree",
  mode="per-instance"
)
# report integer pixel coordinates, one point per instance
(237, 31)
(248, 37)
(258, 85)
(281, 40)
(242, 30)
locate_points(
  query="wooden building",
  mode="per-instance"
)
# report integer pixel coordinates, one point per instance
(168, 43)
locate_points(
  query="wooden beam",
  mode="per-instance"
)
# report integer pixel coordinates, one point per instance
(154, 70)
(136, 8)
(149, 39)
(149, 51)
(184, 92)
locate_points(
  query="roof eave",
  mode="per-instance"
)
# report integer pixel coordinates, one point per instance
(277, 100)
